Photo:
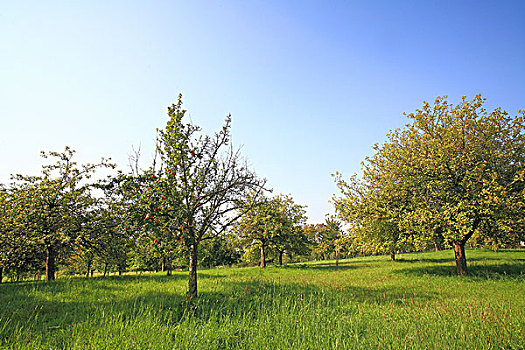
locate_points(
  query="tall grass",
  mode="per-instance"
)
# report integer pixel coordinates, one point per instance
(365, 303)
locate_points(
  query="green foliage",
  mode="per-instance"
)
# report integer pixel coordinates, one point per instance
(52, 210)
(19, 253)
(327, 239)
(468, 163)
(218, 251)
(150, 215)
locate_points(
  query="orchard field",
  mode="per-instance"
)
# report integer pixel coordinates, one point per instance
(416, 302)
(305, 189)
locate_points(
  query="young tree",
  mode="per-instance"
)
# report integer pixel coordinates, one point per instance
(109, 239)
(374, 207)
(274, 223)
(326, 238)
(290, 238)
(201, 183)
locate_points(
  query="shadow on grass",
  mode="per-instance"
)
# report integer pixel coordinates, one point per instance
(24, 286)
(403, 260)
(347, 263)
(442, 260)
(319, 266)
(476, 272)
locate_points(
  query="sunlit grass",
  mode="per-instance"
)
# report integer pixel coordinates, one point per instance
(365, 303)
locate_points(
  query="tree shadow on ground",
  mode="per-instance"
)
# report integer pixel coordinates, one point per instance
(403, 260)
(348, 263)
(515, 250)
(476, 272)
(320, 266)
(441, 260)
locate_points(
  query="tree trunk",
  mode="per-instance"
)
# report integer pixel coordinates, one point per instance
(163, 264)
(461, 260)
(1, 273)
(263, 258)
(281, 258)
(392, 255)
(50, 263)
(167, 266)
(92, 271)
(336, 258)
(192, 283)
(105, 269)
(88, 268)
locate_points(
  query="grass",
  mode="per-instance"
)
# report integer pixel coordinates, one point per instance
(365, 303)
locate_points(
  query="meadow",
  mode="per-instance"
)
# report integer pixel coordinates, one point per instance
(365, 303)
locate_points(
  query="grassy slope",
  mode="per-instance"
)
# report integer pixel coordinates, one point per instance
(368, 303)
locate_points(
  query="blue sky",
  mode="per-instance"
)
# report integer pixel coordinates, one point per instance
(311, 85)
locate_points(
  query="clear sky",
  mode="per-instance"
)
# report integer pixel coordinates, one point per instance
(311, 85)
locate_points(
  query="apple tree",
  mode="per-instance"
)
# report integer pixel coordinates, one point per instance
(199, 185)
(455, 171)
(54, 206)
(274, 223)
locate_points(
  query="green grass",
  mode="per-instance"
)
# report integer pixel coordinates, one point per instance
(365, 303)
